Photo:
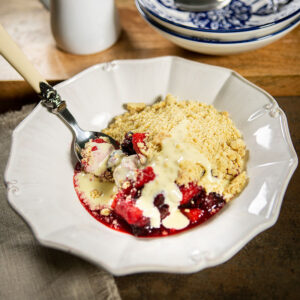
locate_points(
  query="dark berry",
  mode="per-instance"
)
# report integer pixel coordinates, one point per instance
(127, 146)
(163, 208)
(159, 200)
(189, 192)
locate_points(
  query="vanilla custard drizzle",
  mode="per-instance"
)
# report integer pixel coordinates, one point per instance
(98, 194)
(166, 168)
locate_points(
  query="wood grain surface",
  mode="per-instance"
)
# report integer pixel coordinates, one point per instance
(275, 68)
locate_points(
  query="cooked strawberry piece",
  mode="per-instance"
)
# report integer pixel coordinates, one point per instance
(194, 214)
(124, 202)
(125, 207)
(144, 176)
(189, 192)
(99, 141)
(132, 214)
(138, 142)
(121, 196)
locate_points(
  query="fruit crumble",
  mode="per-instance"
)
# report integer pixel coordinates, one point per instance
(178, 164)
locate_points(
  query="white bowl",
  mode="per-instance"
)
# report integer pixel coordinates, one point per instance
(215, 47)
(240, 20)
(39, 172)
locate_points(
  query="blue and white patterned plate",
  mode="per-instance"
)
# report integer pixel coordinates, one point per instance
(215, 46)
(239, 15)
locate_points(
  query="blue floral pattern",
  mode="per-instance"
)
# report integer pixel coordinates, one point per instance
(235, 15)
(239, 14)
(168, 3)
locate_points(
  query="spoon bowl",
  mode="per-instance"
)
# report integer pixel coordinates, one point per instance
(202, 5)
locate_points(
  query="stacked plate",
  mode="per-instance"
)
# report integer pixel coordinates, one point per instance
(242, 25)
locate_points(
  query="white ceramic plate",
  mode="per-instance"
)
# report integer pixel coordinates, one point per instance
(216, 47)
(40, 167)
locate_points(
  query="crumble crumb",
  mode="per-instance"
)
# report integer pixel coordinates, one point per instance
(95, 194)
(105, 211)
(126, 184)
(135, 107)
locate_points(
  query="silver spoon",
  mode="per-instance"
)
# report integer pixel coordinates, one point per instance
(49, 96)
(200, 5)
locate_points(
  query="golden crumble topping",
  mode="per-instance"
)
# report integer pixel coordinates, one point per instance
(211, 132)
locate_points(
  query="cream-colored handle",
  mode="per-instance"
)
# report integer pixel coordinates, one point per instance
(14, 55)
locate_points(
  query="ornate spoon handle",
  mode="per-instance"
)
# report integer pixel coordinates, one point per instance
(49, 96)
(51, 99)
(14, 55)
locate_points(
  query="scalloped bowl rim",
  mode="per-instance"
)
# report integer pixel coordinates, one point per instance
(158, 268)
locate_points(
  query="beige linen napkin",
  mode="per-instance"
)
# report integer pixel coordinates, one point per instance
(29, 270)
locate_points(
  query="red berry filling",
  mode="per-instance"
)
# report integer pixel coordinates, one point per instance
(124, 202)
(126, 217)
(144, 176)
(133, 142)
(211, 203)
(127, 146)
(99, 141)
(138, 142)
(124, 206)
(194, 214)
(200, 206)
(189, 192)
(196, 204)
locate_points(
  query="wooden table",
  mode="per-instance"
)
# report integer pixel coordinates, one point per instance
(275, 68)
(268, 267)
